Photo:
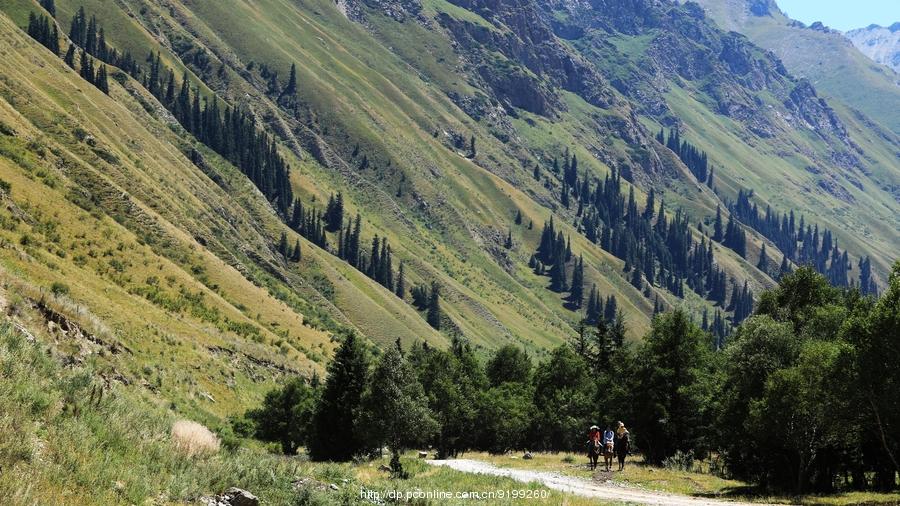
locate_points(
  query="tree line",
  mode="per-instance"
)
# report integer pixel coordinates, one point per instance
(693, 157)
(803, 398)
(802, 244)
(657, 250)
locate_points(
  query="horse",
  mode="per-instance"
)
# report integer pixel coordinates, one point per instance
(608, 454)
(594, 451)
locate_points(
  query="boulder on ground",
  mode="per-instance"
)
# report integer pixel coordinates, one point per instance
(232, 497)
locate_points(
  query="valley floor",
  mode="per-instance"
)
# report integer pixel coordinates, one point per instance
(578, 486)
(640, 483)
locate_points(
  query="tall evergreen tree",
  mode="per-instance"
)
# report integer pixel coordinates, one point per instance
(576, 294)
(49, 6)
(401, 282)
(102, 80)
(336, 431)
(291, 87)
(69, 59)
(434, 306)
(718, 235)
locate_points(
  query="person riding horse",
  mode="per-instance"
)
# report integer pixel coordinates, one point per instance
(594, 446)
(622, 442)
(608, 447)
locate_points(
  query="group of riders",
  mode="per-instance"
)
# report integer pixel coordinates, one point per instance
(608, 443)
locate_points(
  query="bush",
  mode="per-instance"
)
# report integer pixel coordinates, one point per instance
(285, 415)
(193, 439)
(681, 461)
(59, 288)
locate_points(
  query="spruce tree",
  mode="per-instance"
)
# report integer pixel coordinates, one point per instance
(717, 227)
(297, 254)
(434, 306)
(401, 283)
(49, 6)
(763, 263)
(283, 246)
(576, 294)
(69, 59)
(291, 88)
(103, 80)
(610, 309)
(336, 432)
(558, 281)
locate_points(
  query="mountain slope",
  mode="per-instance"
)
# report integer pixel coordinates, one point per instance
(880, 44)
(823, 56)
(453, 129)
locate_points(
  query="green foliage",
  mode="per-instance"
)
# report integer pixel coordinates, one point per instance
(453, 381)
(59, 288)
(806, 394)
(504, 417)
(285, 415)
(674, 388)
(336, 433)
(395, 409)
(563, 392)
(509, 364)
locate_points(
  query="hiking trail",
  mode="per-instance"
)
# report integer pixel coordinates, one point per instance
(584, 488)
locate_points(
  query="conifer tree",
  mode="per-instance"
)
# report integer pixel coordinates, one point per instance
(69, 59)
(717, 227)
(291, 87)
(611, 308)
(593, 310)
(763, 263)
(283, 246)
(576, 294)
(49, 6)
(297, 254)
(434, 306)
(401, 282)
(336, 431)
(102, 80)
(558, 281)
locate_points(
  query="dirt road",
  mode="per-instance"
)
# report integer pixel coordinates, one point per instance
(585, 488)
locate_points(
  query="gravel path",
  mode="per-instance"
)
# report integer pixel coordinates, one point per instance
(583, 487)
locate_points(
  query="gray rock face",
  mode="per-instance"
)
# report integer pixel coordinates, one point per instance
(880, 44)
(232, 497)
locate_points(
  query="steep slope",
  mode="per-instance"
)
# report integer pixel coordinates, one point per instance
(456, 130)
(881, 44)
(824, 56)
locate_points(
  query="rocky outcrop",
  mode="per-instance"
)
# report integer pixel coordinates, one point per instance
(814, 113)
(232, 497)
(880, 44)
(536, 63)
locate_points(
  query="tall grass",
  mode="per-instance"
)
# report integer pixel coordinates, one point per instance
(62, 441)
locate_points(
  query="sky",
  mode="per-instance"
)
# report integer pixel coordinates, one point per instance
(843, 14)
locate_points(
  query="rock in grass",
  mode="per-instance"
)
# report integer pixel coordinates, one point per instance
(238, 497)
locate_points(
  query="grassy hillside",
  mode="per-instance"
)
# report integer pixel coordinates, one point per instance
(149, 263)
(54, 420)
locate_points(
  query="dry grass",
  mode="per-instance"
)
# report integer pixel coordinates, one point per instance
(193, 439)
